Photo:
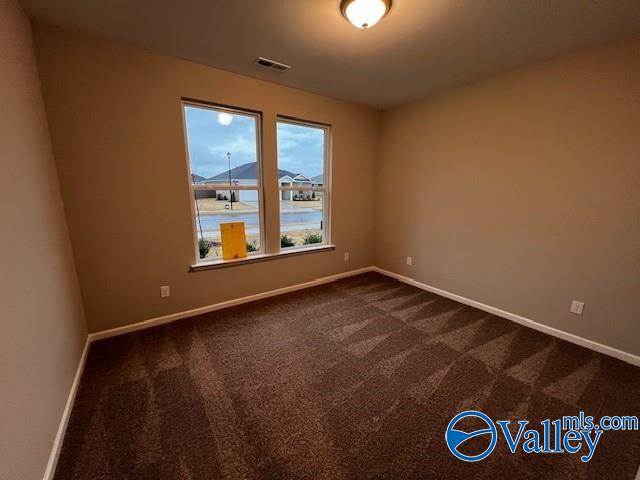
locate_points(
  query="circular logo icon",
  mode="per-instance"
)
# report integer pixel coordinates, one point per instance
(455, 438)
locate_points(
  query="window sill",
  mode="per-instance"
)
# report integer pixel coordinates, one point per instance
(263, 257)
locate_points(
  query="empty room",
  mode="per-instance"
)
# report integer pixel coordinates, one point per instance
(319, 239)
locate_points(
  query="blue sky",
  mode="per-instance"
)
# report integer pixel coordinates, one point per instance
(210, 137)
(300, 149)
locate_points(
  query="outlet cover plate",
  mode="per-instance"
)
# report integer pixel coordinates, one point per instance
(577, 307)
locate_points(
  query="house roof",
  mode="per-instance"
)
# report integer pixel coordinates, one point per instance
(246, 171)
(318, 179)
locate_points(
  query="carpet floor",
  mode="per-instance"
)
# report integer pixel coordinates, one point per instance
(355, 379)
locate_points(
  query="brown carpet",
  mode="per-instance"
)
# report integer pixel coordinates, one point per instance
(350, 380)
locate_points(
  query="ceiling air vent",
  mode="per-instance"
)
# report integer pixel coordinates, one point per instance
(272, 64)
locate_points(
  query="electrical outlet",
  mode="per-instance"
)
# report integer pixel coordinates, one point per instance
(577, 307)
(165, 291)
(346, 256)
(409, 260)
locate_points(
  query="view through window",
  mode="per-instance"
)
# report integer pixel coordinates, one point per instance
(302, 167)
(224, 160)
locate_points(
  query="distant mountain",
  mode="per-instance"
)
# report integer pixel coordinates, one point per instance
(246, 171)
(195, 178)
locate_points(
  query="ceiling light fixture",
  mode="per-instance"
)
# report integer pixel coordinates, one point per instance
(364, 13)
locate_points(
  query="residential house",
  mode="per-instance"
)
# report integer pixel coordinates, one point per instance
(302, 181)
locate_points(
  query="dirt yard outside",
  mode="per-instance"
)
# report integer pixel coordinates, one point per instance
(296, 229)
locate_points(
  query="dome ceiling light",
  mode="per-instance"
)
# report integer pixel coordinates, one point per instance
(364, 13)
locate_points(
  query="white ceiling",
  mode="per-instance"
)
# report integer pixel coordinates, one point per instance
(421, 47)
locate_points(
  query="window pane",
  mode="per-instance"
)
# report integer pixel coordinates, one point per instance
(222, 146)
(301, 160)
(223, 150)
(301, 218)
(216, 207)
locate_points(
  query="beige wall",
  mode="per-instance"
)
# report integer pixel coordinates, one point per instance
(523, 192)
(117, 134)
(520, 192)
(42, 330)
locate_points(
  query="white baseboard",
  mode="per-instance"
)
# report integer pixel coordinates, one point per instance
(66, 413)
(569, 337)
(152, 322)
(62, 428)
(583, 342)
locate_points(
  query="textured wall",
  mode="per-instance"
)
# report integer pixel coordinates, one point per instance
(117, 133)
(523, 192)
(520, 192)
(42, 329)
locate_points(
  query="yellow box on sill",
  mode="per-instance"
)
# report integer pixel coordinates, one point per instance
(234, 240)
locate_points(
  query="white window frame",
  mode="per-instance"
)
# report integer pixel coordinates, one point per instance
(326, 181)
(218, 108)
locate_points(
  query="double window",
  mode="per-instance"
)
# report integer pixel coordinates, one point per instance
(226, 179)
